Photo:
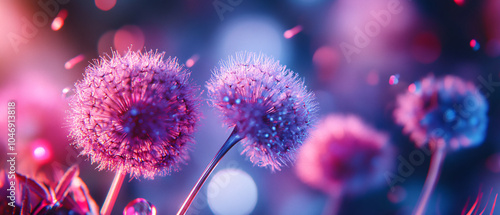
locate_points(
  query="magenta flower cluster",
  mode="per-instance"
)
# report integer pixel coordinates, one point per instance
(267, 104)
(137, 112)
(345, 155)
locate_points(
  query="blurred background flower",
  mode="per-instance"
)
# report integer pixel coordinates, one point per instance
(344, 156)
(40, 58)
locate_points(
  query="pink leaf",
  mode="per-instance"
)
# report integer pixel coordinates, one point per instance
(65, 182)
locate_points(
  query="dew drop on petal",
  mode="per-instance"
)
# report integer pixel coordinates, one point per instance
(139, 206)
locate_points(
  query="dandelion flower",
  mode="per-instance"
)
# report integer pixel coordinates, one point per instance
(446, 114)
(344, 156)
(135, 111)
(134, 114)
(448, 108)
(267, 105)
(344, 153)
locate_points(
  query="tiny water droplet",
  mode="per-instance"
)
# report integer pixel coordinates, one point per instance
(66, 93)
(226, 99)
(139, 206)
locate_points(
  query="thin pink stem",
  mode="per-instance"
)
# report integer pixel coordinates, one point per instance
(113, 192)
(230, 142)
(431, 180)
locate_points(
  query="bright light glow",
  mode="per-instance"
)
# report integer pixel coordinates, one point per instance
(192, 60)
(105, 5)
(474, 45)
(129, 36)
(73, 61)
(292, 32)
(394, 79)
(459, 2)
(59, 20)
(253, 34)
(412, 88)
(232, 191)
(57, 24)
(39, 152)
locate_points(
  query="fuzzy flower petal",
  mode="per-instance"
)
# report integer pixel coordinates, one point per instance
(448, 109)
(136, 112)
(267, 103)
(344, 153)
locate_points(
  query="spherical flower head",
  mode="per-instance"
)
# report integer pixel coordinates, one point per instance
(345, 154)
(268, 105)
(447, 109)
(137, 112)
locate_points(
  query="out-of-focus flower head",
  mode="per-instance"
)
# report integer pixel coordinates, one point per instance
(39, 116)
(137, 112)
(344, 154)
(267, 103)
(447, 109)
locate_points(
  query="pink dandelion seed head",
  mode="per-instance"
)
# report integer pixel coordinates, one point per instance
(344, 153)
(447, 109)
(137, 112)
(267, 103)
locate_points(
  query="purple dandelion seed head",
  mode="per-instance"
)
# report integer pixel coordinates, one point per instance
(343, 153)
(447, 109)
(267, 103)
(137, 112)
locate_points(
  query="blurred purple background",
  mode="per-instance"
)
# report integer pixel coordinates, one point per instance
(387, 45)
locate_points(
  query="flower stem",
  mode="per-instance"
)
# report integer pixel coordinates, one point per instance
(333, 203)
(113, 192)
(230, 142)
(431, 180)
